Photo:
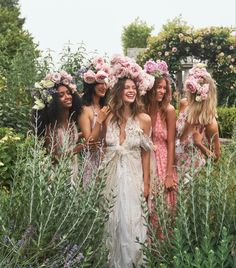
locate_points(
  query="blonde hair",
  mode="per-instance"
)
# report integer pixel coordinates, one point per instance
(202, 112)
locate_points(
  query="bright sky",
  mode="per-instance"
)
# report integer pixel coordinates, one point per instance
(99, 23)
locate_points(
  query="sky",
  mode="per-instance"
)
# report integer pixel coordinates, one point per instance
(99, 23)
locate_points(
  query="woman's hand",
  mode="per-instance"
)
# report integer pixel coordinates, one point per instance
(169, 183)
(197, 136)
(93, 145)
(102, 115)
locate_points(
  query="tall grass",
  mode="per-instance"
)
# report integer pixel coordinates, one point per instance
(202, 231)
(49, 221)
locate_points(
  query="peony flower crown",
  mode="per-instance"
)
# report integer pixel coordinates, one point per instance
(122, 66)
(196, 84)
(157, 68)
(44, 89)
(97, 71)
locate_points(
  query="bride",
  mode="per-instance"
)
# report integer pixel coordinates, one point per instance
(126, 164)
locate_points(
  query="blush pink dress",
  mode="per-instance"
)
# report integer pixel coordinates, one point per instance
(159, 138)
(189, 158)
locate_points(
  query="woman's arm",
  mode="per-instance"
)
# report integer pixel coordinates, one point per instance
(86, 127)
(145, 155)
(212, 135)
(171, 125)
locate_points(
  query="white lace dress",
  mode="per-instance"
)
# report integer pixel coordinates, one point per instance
(123, 167)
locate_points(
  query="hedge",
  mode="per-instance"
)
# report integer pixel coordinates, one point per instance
(227, 121)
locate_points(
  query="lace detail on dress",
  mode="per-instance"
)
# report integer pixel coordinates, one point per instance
(123, 167)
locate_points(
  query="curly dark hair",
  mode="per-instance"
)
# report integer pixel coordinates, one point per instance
(89, 91)
(51, 114)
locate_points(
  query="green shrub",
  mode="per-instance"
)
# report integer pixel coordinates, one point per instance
(9, 143)
(227, 121)
(47, 221)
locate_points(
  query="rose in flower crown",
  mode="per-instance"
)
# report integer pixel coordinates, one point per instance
(122, 66)
(157, 68)
(44, 89)
(196, 82)
(97, 71)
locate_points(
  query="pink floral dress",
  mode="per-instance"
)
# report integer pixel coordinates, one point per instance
(159, 138)
(189, 158)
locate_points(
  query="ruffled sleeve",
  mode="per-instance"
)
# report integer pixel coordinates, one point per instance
(146, 142)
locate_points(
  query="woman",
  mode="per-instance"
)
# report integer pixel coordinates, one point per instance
(126, 164)
(93, 99)
(57, 107)
(197, 119)
(157, 103)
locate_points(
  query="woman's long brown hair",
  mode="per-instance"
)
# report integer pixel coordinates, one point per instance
(117, 105)
(150, 103)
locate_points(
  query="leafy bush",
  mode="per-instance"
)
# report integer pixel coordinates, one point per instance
(201, 232)
(46, 221)
(215, 45)
(227, 121)
(9, 144)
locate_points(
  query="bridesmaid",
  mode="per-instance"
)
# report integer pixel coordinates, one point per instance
(93, 99)
(197, 127)
(157, 103)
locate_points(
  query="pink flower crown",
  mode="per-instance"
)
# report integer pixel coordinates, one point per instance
(195, 82)
(122, 67)
(44, 89)
(97, 71)
(157, 68)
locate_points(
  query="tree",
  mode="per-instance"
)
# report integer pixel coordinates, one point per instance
(17, 66)
(136, 35)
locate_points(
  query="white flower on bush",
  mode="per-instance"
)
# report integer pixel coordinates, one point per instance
(174, 49)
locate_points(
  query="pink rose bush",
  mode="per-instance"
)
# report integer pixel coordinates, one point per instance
(196, 83)
(122, 66)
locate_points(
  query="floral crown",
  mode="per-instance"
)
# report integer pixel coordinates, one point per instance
(126, 67)
(96, 71)
(44, 89)
(196, 84)
(157, 68)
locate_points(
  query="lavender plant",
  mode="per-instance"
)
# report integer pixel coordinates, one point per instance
(201, 231)
(48, 220)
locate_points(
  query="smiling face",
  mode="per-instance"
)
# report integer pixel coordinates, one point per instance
(129, 92)
(65, 97)
(100, 89)
(161, 90)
